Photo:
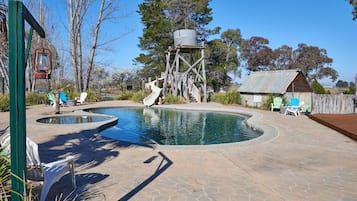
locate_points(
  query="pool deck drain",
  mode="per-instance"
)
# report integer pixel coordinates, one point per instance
(299, 160)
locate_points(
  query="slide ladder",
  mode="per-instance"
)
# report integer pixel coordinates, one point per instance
(194, 91)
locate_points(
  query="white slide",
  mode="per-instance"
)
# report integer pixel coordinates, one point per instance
(155, 93)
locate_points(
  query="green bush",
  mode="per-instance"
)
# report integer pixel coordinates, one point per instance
(267, 104)
(92, 96)
(226, 98)
(317, 88)
(171, 99)
(125, 96)
(70, 92)
(218, 97)
(138, 97)
(232, 98)
(4, 103)
(36, 99)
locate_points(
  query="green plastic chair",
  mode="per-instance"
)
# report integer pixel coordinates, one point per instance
(52, 99)
(276, 104)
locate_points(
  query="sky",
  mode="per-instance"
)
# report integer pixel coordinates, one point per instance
(326, 24)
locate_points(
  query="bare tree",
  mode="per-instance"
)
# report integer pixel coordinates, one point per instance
(106, 12)
(77, 12)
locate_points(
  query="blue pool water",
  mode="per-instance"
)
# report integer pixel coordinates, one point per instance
(174, 127)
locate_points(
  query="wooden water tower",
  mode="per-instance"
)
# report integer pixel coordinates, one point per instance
(185, 73)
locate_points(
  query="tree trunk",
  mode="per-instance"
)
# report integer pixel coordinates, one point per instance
(94, 43)
(77, 11)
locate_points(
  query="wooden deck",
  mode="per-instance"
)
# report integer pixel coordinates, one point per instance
(343, 123)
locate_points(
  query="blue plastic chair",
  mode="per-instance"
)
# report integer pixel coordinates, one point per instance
(63, 98)
(293, 107)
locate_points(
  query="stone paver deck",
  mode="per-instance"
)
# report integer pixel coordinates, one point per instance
(296, 159)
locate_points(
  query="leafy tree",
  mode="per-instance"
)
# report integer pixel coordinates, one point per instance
(191, 14)
(282, 58)
(354, 12)
(317, 88)
(216, 57)
(156, 37)
(341, 84)
(233, 39)
(222, 58)
(160, 20)
(256, 53)
(313, 62)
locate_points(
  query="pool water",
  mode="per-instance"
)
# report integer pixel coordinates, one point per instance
(174, 127)
(75, 119)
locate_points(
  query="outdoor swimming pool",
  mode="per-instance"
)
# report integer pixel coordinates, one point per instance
(176, 127)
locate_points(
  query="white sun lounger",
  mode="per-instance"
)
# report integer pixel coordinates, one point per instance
(50, 172)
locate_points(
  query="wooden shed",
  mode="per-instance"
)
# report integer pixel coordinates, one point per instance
(258, 86)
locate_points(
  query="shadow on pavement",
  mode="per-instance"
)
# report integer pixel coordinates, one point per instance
(160, 169)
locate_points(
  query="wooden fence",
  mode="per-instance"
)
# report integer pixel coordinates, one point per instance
(332, 104)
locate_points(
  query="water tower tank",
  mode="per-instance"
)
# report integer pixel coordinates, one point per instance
(185, 37)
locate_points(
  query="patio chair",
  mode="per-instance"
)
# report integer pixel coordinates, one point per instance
(293, 107)
(49, 173)
(82, 98)
(52, 99)
(276, 104)
(63, 98)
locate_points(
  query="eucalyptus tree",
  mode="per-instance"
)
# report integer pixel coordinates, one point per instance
(217, 64)
(256, 54)
(282, 58)
(313, 62)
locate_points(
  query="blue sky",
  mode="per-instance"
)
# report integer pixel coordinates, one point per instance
(324, 23)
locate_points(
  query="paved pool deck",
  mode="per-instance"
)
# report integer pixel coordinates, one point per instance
(296, 159)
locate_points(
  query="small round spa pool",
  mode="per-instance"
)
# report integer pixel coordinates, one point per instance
(73, 119)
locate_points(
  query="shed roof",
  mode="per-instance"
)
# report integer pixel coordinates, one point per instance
(269, 81)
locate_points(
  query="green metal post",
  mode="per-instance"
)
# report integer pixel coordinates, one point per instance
(17, 65)
(17, 99)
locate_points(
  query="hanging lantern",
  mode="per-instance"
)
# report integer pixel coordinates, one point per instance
(42, 63)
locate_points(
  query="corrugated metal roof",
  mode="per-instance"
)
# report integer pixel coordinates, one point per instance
(268, 81)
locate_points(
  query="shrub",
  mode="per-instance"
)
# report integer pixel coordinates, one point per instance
(138, 96)
(36, 99)
(232, 98)
(91, 96)
(317, 88)
(70, 92)
(4, 103)
(171, 99)
(125, 96)
(267, 104)
(226, 98)
(218, 97)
